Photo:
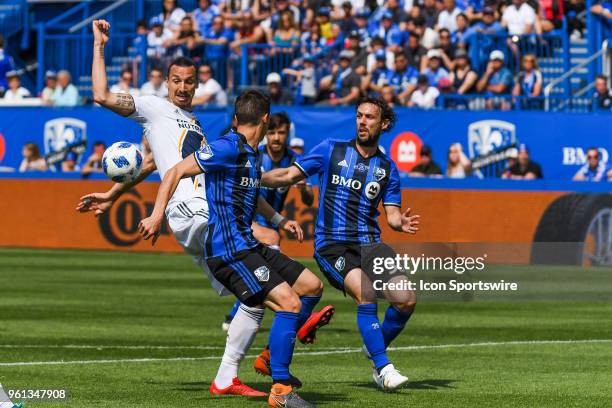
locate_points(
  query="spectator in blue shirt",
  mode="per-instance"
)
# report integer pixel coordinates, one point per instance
(66, 94)
(404, 78)
(361, 26)
(204, 15)
(312, 42)
(604, 11)
(488, 25)
(496, 81)
(380, 76)
(602, 97)
(389, 31)
(434, 71)
(6, 65)
(594, 169)
(217, 40)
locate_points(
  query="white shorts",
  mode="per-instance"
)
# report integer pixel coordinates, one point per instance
(188, 220)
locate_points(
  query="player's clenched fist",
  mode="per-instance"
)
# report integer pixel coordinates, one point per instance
(101, 31)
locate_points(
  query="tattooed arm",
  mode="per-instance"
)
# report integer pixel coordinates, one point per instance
(123, 104)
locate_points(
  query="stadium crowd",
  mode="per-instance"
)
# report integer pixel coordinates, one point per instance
(407, 51)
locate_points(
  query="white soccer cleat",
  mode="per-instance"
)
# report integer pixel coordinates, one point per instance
(389, 378)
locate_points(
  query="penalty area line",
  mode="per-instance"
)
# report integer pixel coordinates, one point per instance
(313, 353)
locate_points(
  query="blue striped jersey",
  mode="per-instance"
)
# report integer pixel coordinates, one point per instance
(233, 175)
(351, 188)
(274, 196)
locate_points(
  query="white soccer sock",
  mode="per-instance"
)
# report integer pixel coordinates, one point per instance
(240, 336)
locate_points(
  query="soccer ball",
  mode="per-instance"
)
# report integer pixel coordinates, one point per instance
(122, 162)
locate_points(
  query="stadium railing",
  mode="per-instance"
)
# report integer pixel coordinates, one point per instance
(551, 49)
(521, 103)
(597, 32)
(65, 42)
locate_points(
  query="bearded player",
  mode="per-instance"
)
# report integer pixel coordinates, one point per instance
(355, 177)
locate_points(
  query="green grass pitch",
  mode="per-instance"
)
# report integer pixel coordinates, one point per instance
(84, 319)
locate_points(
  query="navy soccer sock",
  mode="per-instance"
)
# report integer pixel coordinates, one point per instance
(282, 341)
(394, 323)
(369, 326)
(308, 303)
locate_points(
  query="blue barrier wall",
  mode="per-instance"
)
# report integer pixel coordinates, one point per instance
(557, 141)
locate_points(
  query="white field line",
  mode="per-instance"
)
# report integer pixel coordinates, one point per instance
(315, 353)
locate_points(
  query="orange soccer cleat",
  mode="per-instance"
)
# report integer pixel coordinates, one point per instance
(283, 396)
(237, 388)
(262, 366)
(308, 332)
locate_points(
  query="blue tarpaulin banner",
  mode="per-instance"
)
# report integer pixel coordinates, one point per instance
(557, 141)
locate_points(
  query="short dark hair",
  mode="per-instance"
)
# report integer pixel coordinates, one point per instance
(158, 69)
(279, 119)
(444, 30)
(400, 54)
(212, 70)
(182, 62)
(99, 143)
(378, 40)
(141, 23)
(602, 76)
(1, 41)
(126, 70)
(386, 113)
(594, 148)
(250, 107)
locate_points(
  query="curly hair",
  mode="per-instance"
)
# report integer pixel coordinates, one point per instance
(386, 112)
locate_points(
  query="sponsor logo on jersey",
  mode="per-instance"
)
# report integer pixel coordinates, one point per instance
(343, 163)
(346, 182)
(249, 182)
(262, 273)
(205, 153)
(340, 263)
(248, 164)
(372, 190)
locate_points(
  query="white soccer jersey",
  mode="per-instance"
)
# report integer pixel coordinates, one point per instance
(173, 134)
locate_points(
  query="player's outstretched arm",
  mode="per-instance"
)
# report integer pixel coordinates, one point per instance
(149, 227)
(402, 222)
(123, 104)
(282, 177)
(99, 203)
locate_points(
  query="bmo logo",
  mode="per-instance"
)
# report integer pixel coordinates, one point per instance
(249, 182)
(405, 151)
(578, 155)
(344, 182)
